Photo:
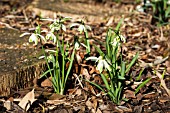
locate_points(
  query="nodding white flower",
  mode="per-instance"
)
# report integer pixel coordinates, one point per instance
(51, 36)
(118, 39)
(81, 27)
(63, 27)
(102, 63)
(122, 38)
(33, 38)
(50, 58)
(168, 2)
(77, 45)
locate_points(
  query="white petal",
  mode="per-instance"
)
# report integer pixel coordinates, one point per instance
(50, 58)
(107, 66)
(42, 37)
(81, 28)
(48, 36)
(63, 27)
(41, 57)
(48, 19)
(100, 66)
(23, 34)
(33, 38)
(88, 27)
(92, 58)
(123, 38)
(48, 50)
(74, 24)
(76, 45)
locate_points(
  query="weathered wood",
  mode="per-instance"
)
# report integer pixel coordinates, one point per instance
(18, 62)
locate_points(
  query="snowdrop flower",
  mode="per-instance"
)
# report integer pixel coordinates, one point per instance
(117, 40)
(77, 45)
(122, 38)
(51, 36)
(81, 27)
(33, 38)
(50, 58)
(168, 2)
(102, 63)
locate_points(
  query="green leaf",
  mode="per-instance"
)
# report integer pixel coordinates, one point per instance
(99, 50)
(70, 65)
(118, 25)
(142, 85)
(98, 86)
(123, 69)
(167, 12)
(132, 62)
(140, 74)
(121, 78)
(105, 81)
(46, 72)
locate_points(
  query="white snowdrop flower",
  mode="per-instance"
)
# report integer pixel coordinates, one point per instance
(33, 38)
(102, 63)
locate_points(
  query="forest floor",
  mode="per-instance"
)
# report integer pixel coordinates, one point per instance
(152, 43)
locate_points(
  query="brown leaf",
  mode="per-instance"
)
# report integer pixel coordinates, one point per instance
(78, 58)
(98, 111)
(89, 104)
(163, 83)
(78, 92)
(8, 105)
(150, 95)
(139, 96)
(85, 72)
(168, 69)
(130, 94)
(28, 99)
(55, 96)
(47, 82)
(95, 103)
(110, 21)
(164, 99)
(57, 102)
(92, 69)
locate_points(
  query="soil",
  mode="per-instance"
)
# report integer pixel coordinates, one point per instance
(21, 68)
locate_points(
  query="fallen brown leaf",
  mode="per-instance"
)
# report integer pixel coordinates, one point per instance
(47, 82)
(130, 94)
(163, 83)
(28, 99)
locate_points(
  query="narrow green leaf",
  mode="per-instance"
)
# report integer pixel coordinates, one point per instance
(108, 43)
(132, 62)
(123, 69)
(98, 86)
(121, 77)
(46, 72)
(70, 66)
(105, 81)
(167, 12)
(99, 50)
(142, 85)
(118, 25)
(63, 62)
(140, 74)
